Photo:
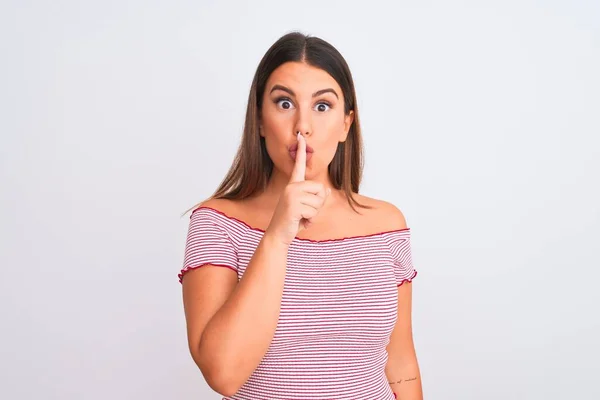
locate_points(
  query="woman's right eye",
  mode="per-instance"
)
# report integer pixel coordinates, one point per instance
(286, 103)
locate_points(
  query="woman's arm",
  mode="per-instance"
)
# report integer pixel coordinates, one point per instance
(402, 368)
(230, 326)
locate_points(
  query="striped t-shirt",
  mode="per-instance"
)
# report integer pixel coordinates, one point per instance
(338, 310)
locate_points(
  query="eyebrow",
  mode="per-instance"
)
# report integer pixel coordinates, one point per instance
(315, 94)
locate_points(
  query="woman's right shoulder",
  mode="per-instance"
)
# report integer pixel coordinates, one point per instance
(225, 207)
(212, 215)
(222, 205)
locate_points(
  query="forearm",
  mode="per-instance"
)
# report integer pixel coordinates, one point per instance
(238, 336)
(405, 380)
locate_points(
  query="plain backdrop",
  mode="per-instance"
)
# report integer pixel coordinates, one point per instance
(481, 123)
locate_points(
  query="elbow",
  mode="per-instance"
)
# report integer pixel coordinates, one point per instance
(217, 373)
(221, 382)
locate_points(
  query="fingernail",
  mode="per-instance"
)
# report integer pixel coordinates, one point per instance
(328, 191)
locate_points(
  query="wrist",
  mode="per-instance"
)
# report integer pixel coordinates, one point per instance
(272, 241)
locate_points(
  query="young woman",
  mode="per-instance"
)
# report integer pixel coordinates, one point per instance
(305, 285)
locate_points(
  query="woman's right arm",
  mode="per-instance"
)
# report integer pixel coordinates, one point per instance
(231, 323)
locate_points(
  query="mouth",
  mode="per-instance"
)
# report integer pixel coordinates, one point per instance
(308, 155)
(294, 149)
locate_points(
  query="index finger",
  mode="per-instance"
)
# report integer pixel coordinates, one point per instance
(299, 171)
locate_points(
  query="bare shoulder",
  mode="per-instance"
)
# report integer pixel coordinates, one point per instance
(232, 208)
(223, 205)
(387, 216)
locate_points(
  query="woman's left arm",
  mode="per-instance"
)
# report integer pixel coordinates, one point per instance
(402, 368)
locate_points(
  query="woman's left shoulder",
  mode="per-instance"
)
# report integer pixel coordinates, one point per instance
(387, 215)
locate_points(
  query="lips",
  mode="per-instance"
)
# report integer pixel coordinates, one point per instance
(308, 155)
(294, 148)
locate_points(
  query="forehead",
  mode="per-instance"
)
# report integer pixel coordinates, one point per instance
(302, 78)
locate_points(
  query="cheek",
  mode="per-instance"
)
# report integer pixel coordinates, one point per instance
(326, 150)
(276, 129)
(332, 149)
(273, 146)
(333, 125)
(333, 128)
(276, 143)
(276, 118)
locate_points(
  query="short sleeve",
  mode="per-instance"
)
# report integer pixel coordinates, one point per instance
(400, 248)
(207, 242)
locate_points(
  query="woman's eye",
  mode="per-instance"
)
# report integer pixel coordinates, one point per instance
(286, 104)
(321, 105)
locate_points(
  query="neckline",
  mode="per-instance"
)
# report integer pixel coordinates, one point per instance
(299, 238)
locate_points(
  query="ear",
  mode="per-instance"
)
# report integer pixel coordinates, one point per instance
(260, 123)
(348, 120)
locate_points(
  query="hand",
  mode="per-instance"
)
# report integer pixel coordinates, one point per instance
(300, 201)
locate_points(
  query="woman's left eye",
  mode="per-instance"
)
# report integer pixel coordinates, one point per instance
(323, 104)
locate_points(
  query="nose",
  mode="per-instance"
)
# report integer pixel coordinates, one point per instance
(303, 124)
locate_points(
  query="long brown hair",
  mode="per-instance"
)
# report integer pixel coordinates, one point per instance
(250, 173)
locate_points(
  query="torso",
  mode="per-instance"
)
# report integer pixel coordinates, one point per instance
(339, 302)
(339, 221)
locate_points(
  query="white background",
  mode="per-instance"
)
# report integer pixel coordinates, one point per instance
(481, 123)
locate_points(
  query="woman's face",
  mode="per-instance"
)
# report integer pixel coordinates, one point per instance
(299, 97)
